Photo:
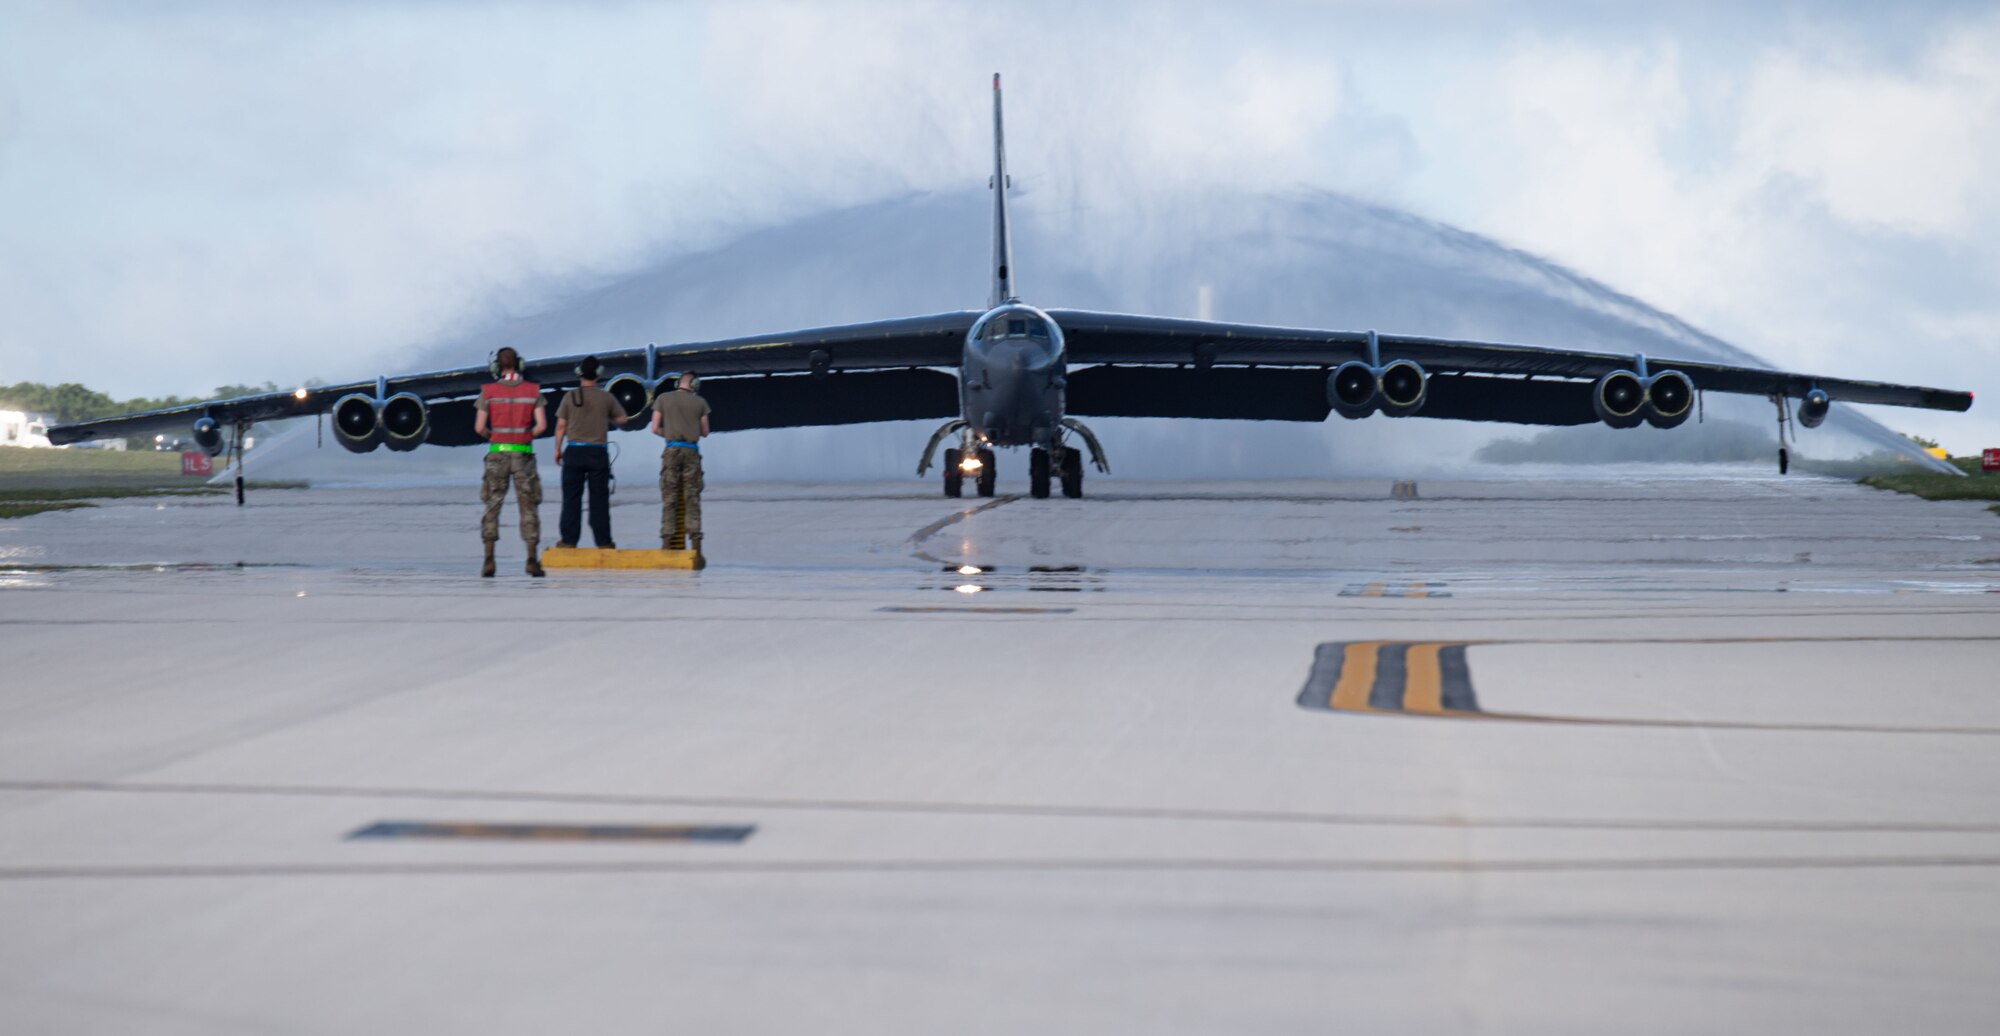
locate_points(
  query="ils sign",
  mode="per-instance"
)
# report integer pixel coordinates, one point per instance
(194, 462)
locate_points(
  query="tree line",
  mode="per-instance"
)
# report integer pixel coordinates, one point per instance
(70, 402)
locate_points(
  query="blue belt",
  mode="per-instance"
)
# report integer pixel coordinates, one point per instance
(599, 445)
(684, 445)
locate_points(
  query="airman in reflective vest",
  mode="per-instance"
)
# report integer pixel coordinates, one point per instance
(510, 415)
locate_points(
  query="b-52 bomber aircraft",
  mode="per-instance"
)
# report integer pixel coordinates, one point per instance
(1023, 375)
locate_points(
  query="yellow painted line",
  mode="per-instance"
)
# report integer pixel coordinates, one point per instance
(1417, 590)
(582, 557)
(1357, 677)
(1372, 590)
(1423, 680)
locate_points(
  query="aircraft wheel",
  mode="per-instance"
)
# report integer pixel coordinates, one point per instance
(954, 479)
(1038, 474)
(1072, 474)
(987, 474)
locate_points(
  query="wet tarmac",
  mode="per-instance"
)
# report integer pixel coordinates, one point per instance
(1657, 755)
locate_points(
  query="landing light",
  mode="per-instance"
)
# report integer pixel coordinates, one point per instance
(970, 464)
(968, 570)
(301, 394)
(968, 589)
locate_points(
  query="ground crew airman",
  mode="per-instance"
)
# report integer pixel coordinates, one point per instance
(583, 427)
(681, 418)
(510, 415)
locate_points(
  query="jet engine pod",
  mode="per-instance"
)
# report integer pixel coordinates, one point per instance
(1351, 389)
(1402, 387)
(1813, 408)
(405, 422)
(630, 392)
(1619, 399)
(1669, 399)
(356, 424)
(208, 435)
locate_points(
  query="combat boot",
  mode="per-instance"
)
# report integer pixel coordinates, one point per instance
(534, 564)
(486, 570)
(694, 544)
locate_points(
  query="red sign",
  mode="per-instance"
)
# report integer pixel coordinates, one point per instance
(1990, 460)
(194, 462)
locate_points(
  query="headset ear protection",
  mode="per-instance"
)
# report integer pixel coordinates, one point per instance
(493, 361)
(589, 368)
(694, 382)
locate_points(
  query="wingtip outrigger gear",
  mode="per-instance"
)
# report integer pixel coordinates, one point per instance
(1784, 419)
(239, 428)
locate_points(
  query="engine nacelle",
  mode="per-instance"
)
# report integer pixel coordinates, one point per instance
(1400, 385)
(631, 393)
(1669, 399)
(405, 422)
(208, 436)
(1813, 408)
(1619, 399)
(1352, 388)
(357, 423)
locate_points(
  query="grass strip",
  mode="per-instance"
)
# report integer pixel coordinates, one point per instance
(1975, 485)
(22, 510)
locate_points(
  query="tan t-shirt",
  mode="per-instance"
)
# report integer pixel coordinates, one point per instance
(680, 415)
(590, 412)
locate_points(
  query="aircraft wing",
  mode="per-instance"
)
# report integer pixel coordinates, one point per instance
(840, 374)
(1255, 372)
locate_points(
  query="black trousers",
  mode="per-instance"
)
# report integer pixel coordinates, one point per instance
(586, 466)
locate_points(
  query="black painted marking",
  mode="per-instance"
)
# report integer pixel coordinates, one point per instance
(557, 832)
(1458, 694)
(1327, 660)
(1391, 677)
(918, 609)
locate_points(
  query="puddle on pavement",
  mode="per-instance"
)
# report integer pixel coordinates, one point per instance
(974, 579)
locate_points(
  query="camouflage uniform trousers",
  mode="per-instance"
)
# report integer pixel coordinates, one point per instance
(680, 467)
(520, 467)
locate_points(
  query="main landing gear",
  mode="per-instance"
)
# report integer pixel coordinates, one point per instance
(1063, 464)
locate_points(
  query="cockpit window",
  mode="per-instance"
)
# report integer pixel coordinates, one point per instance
(1014, 327)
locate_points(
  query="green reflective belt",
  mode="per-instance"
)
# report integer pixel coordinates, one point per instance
(510, 447)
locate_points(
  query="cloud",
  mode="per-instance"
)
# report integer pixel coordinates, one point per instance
(1824, 204)
(1911, 150)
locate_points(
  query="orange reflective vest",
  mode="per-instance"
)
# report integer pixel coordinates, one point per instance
(510, 411)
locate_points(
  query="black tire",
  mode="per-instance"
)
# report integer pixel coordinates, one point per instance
(1038, 474)
(987, 473)
(954, 479)
(1072, 474)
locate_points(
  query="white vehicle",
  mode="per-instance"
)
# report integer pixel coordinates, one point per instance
(19, 428)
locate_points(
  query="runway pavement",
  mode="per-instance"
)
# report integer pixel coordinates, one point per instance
(1701, 754)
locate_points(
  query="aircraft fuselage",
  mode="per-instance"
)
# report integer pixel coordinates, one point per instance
(1012, 380)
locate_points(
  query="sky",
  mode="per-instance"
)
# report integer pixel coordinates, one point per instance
(203, 193)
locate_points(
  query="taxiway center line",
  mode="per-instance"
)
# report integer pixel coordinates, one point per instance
(1010, 809)
(1002, 866)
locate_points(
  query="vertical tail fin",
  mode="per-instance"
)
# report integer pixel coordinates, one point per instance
(1003, 241)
